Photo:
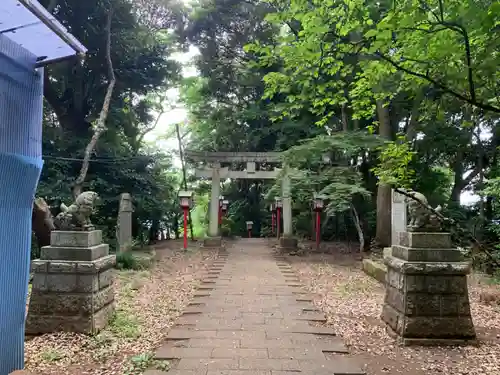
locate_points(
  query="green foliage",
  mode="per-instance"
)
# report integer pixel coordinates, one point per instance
(128, 260)
(124, 324)
(366, 72)
(372, 50)
(226, 226)
(395, 165)
(74, 92)
(492, 188)
(199, 215)
(144, 361)
(52, 355)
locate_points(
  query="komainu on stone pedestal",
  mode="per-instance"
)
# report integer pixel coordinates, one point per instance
(426, 299)
(421, 218)
(77, 215)
(72, 286)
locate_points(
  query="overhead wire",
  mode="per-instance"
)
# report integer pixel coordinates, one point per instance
(103, 160)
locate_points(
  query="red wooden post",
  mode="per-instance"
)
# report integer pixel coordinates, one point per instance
(185, 228)
(313, 232)
(220, 215)
(249, 233)
(278, 224)
(272, 222)
(318, 228)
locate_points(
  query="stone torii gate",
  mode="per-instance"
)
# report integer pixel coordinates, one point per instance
(216, 172)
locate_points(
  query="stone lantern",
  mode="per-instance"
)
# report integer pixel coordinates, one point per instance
(249, 228)
(186, 202)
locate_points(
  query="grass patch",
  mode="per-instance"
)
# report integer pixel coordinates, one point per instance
(132, 281)
(492, 279)
(144, 361)
(130, 260)
(103, 345)
(353, 287)
(51, 355)
(123, 324)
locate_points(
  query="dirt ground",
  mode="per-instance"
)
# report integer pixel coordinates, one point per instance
(353, 303)
(148, 302)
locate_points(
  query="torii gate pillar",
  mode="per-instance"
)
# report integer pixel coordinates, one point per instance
(287, 241)
(214, 239)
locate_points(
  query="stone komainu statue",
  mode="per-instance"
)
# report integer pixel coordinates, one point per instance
(77, 216)
(421, 218)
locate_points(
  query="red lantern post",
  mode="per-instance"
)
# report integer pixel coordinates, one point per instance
(224, 206)
(272, 208)
(318, 207)
(185, 227)
(279, 206)
(221, 199)
(186, 201)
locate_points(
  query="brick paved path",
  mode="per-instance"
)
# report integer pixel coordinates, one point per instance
(250, 316)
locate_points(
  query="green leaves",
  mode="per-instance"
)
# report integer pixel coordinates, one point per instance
(394, 168)
(360, 49)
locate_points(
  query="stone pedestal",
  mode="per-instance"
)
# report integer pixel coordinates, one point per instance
(288, 244)
(212, 242)
(426, 300)
(72, 286)
(124, 227)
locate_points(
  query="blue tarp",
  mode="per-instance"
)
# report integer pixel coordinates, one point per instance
(21, 106)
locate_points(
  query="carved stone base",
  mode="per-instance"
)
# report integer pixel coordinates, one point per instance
(405, 341)
(288, 244)
(212, 242)
(72, 286)
(426, 298)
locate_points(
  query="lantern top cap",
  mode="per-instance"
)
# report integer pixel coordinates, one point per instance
(225, 201)
(277, 199)
(185, 194)
(249, 222)
(221, 197)
(317, 196)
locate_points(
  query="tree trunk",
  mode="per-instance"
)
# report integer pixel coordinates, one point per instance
(176, 226)
(42, 222)
(153, 231)
(357, 224)
(383, 233)
(345, 121)
(184, 180)
(103, 115)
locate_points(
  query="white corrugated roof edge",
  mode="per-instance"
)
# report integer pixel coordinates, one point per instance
(55, 26)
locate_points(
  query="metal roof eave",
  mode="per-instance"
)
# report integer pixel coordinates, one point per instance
(43, 15)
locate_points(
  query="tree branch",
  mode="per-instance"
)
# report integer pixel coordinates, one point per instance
(440, 85)
(148, 129)
(103, 115)
(184, 179)
(454, 26)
